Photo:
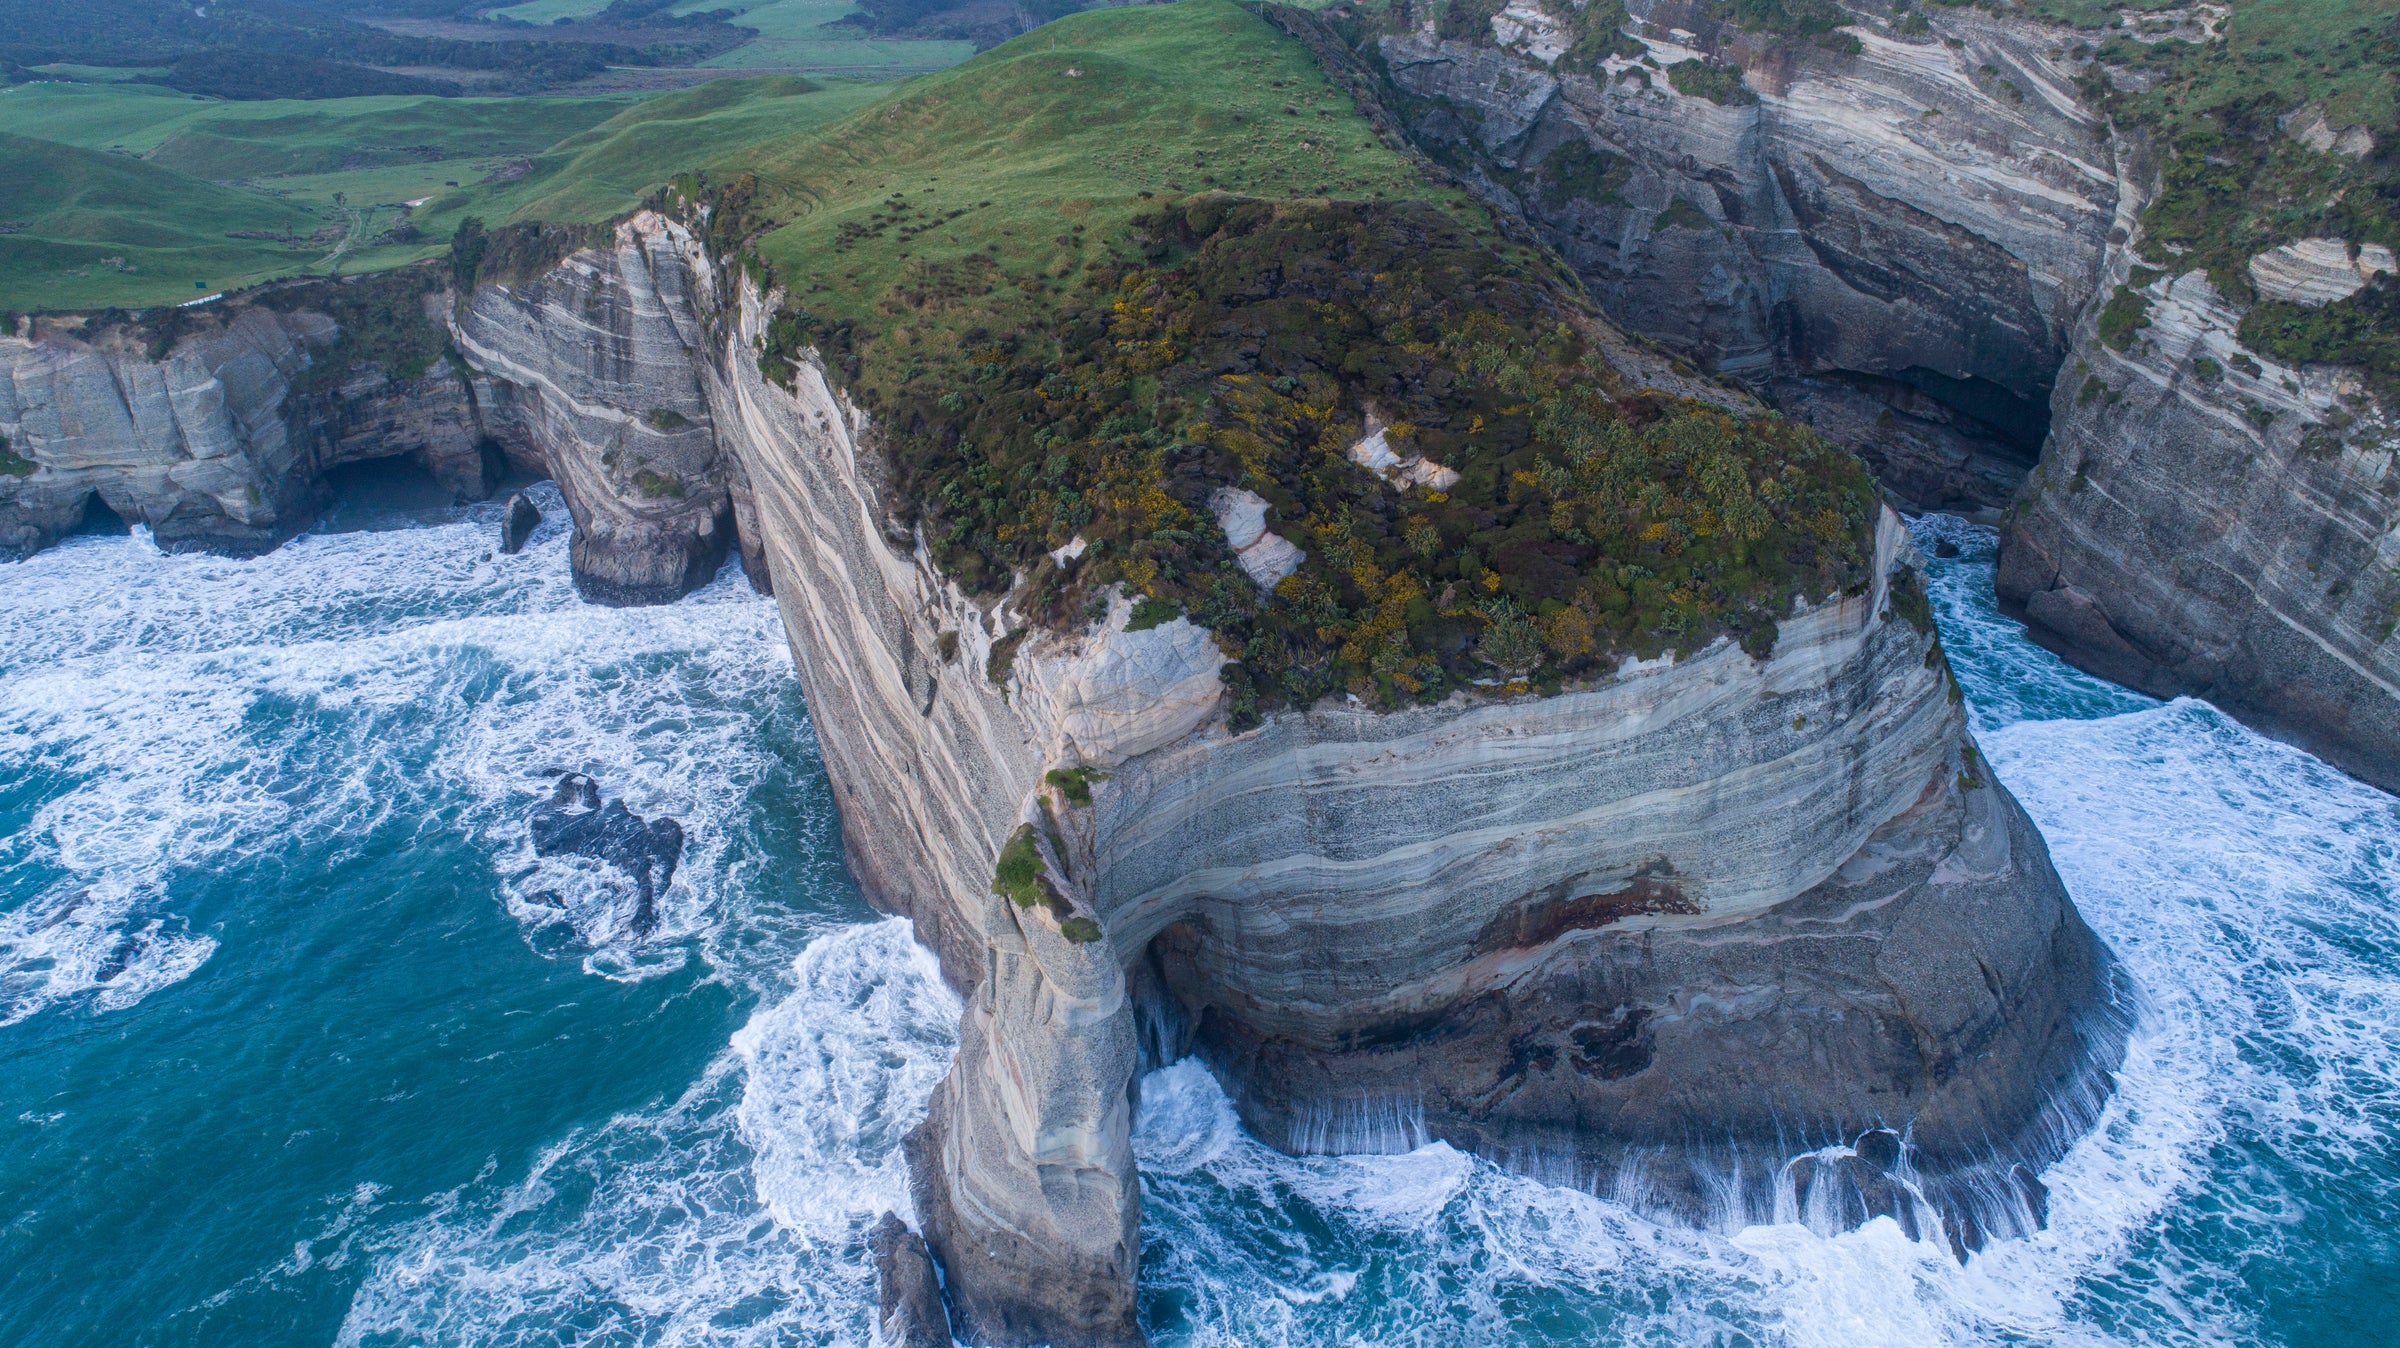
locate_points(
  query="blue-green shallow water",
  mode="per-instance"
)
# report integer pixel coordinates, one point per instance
(354, 1082)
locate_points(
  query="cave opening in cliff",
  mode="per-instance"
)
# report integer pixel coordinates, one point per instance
(1935, 442)
(2020, 420)
(99, 519)
(382, 493)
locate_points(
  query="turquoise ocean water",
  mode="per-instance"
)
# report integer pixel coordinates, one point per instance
(301, 1045)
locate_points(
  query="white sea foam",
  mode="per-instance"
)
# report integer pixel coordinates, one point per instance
(100, 943)
(2248, 889)
(190, 713)
(735, 1215)
(836, 1073)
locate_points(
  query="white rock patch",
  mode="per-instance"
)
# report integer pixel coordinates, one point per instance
(2309, 127)
(1114, 694)
(1529, 27)
(1265, 557)
(1376, 455)
(2317, 271)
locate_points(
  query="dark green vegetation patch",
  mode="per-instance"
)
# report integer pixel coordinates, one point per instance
(1253, 346)
(1818, 22)
(2123, 317)
(2363, 330)
(1022, 879)
(383, 324)
(1706, 79)
(1020, 876)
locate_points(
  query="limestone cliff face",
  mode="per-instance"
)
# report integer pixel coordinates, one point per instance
(586, 375)
(589, 371)
(2208, 521)
(1894, 243)
(1717, 898)
(207, 446)
(1907, 247)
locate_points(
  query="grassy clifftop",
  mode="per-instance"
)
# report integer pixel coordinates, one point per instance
(1102, 272)
(230, 194)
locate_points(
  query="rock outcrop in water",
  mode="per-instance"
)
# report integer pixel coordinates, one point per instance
(518, 524)
(206, 443)
(910, 1314)
(575, 822)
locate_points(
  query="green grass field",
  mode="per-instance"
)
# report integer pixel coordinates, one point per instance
(191, 170)
(87, 229)
(1039, 152)
(792, 35)
(550, 11)
(609, 168)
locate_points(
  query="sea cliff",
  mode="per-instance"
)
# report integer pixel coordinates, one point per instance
(2214, 522)
(1716, 934)
(1906, 234)
(1774, 903)
(589, 369)
(1894, 242)
(200, 433)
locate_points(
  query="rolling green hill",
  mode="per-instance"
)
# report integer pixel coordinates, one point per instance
(348, 166)
(1039, 153)
(86, 229)
(607, 169)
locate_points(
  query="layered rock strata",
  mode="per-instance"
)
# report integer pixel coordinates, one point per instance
(207, 445)
(585, 375)
(2209, 521)
(1893, 243)
(1650, 936)
(589, 370)
(1908, 247)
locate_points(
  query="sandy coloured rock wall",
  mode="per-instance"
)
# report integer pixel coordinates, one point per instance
(590, 371)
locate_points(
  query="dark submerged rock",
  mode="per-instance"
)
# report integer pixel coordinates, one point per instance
(910, 1313)
(574, 822)
(523, 518)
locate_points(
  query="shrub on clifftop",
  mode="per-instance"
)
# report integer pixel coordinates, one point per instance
(1254, 347)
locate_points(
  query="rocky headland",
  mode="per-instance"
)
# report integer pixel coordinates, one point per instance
(1906, 226)
(1654, 933)
(1506, 732)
